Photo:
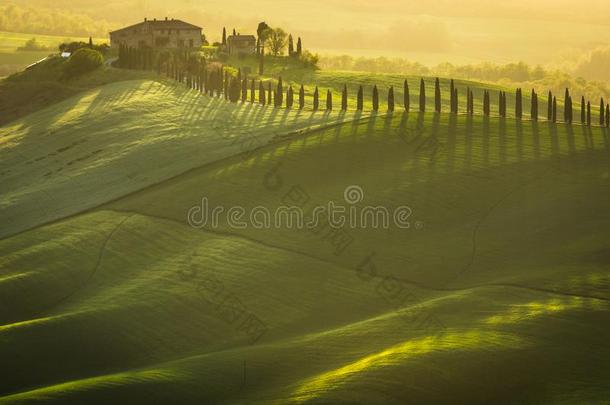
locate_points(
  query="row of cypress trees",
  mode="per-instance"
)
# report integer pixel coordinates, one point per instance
(217, 81)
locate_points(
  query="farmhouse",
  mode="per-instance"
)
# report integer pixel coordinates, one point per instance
(241, 44)
(167, 33)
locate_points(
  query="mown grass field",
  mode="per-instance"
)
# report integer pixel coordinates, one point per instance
(498, 292)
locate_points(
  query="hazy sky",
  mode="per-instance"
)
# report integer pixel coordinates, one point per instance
(536, 31)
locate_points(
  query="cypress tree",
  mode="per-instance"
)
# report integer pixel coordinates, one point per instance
(486, 103)
(224, 36)
(534, 106)
(258, 46)
(252, 91)
(468, 100)
(451, 95)
(455, 100)
(329, 100)
(471, 102)
(344, 98)
(607, 115)
(582, 110)
(566, 106)
(601, 112)
(360, 99)
(588, 113)
(301, 97)
(226, 85)
(244, 90)
(375, 98)
(234, 89)
(554, 109)
(90, 43)
(289, 97)
(261, 61)
(269, 94)
(549, 113)
(405, 95)
(316, 101)
(234, 33)
(422, 96)
(437, 96)
(519, 104)
(279, 94)
(299, 47)
(290, 45)
(391, 99)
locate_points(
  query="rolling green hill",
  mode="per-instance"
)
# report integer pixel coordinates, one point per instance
(497, 292)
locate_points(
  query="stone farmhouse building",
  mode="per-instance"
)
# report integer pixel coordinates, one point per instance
(167, 33)
(241, 44)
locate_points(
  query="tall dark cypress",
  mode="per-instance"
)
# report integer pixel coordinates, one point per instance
(519, 104)
(549, 112)
(588, 113)
(471, 102)
(375, 98)
(329, 100)
(301, 97)
(299, 47)
(554, 109)
(316, 99)
(290, 45)
(279, 93)
(269, 94)
(607, 115)
(455, 100)
(224, 36)
(467, 100)
(422, 96)
(252, 91)
(451, 96)
(261, 61)
(486, 103)
(437, 95)
(583, 107)
(500, 104)
(405, 95)
(289, 97)
(344, 98)
(261, 93)
(244, 90)
(534, 106)
(360, 99)
(566, 106)
(601, 112)
(391, 99)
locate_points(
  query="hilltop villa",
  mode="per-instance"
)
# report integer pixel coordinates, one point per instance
(241, 44)
(158, 34)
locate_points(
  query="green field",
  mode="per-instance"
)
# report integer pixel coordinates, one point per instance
(498, 293)
(12, 60)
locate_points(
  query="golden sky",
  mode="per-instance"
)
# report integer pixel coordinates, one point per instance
(535, 31)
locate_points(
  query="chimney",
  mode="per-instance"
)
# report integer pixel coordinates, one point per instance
(154, 19)
(165, 18)
(145, 19)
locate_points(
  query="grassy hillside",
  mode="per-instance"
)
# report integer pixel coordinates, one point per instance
(110, 140)
(498, 292)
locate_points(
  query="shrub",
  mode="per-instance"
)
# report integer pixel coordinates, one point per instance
(82, 61)
(75, 46)
(34, 45)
